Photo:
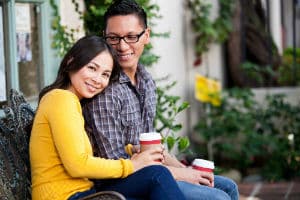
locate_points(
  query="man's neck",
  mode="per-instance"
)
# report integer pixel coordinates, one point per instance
(131, 74)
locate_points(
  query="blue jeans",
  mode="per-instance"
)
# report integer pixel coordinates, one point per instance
(153, 182)
(225, 189)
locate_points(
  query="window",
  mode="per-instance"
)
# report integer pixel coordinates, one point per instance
(28, 48)
(264, 48)
(27, 61)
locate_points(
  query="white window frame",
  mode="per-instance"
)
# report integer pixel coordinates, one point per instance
(48, 56)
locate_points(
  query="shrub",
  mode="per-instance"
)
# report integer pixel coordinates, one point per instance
(244, 134)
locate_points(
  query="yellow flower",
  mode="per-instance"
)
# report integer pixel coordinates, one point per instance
(207, 90)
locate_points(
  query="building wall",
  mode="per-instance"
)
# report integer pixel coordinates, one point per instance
(177, 56)
(71, 18)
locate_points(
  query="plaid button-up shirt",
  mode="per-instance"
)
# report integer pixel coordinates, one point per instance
(117, 116)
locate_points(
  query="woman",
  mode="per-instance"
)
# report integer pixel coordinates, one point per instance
(60, 152)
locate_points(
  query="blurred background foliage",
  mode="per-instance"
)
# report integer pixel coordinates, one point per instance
(289, 69)
(206, 30)
(250, 136)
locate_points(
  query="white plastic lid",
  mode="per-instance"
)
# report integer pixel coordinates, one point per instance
(203, 163)
(150, 136)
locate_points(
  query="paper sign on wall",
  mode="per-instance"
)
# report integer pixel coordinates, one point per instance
(23, 29)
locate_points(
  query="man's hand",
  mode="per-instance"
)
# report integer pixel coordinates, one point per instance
(182, 173)
(172, 160)
(192, 176)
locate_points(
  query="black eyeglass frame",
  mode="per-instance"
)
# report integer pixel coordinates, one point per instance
(124, 38)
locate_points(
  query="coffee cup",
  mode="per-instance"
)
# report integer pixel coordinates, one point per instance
(149, 140)
(203, 165)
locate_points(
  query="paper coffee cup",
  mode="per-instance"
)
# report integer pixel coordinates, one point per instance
(149, 140)
(203, 165)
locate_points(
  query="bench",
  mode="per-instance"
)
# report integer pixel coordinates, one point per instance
(15, 126)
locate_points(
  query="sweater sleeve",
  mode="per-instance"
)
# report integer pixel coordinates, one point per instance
(73, 147)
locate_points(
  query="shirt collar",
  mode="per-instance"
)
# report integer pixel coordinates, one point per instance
(141, 73)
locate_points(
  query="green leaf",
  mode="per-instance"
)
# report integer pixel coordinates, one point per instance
(170, 142)
(183, 106)
(183, 143)
(176, 127)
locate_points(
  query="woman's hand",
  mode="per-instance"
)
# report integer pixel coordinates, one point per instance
(152, 156)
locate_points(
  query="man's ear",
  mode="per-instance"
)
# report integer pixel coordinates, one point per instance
(147, 35)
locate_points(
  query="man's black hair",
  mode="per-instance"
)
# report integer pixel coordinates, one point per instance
(125, 7)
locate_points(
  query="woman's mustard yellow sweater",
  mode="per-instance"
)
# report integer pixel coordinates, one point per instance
(61, 155)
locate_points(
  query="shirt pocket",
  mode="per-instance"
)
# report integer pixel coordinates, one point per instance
(131, 124)
(130, 117)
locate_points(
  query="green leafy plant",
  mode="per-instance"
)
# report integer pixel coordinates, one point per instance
(63, 37)
(280, 121)
(208, 31)
(167, 109)
(253, 136)
(258, 73)
(289, 72)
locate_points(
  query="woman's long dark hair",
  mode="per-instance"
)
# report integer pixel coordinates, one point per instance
(81, 53)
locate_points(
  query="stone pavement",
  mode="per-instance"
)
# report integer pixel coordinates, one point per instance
(270, 191)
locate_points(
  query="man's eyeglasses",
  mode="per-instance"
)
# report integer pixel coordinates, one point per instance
(127, 38)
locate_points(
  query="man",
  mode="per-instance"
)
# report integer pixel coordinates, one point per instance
(127, 107)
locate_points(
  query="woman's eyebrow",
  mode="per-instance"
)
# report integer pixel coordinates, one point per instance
(98, 66)
(95, 64)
